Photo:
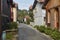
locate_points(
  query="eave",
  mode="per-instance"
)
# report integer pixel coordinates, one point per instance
(52, 4)
(44, 4)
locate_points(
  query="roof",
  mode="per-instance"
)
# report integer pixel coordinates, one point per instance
(36, 1)
(51, 4)
(45, 3)
(15, 4)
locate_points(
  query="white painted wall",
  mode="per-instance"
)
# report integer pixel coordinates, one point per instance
(38, 15)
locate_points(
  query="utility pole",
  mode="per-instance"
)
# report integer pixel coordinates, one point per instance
(0, 22)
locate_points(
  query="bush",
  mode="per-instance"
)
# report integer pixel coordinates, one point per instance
(42, 29)
(36, 26)
(48, 31)
(55, 34)
(28, 21)
(13, 25)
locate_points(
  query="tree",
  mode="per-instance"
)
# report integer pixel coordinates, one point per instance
(31, 15)
(22, 14)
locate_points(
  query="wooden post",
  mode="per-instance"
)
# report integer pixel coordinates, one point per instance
(0, 23)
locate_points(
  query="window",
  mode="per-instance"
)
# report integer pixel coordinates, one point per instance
(8, 1)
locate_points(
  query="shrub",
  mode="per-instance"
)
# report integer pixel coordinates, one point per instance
(13, 25)
(54, 33)
(42, 29)
(48, 31)
(36, 26)
(28, 21)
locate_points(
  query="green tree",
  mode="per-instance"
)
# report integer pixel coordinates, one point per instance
(22, 14)
(31, 15)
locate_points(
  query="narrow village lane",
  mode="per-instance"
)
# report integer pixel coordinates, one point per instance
(26, 32)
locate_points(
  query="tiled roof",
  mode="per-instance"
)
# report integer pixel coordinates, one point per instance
(53, 3)
(45, 3)
(30, 7)
(15, 4)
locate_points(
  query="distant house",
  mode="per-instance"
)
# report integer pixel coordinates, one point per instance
(14, 9)
(52, 13)
(38, 12)
(26, 18)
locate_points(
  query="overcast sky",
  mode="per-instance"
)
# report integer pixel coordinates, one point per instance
(24, 4)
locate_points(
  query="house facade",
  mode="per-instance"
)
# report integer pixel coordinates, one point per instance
(38, 13)
(15, 11)
(0, 23)
(53, 13)
(4, 14)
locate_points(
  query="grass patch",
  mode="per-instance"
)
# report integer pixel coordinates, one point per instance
(9, 36)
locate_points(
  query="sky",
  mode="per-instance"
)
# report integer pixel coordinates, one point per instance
(24, 4)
